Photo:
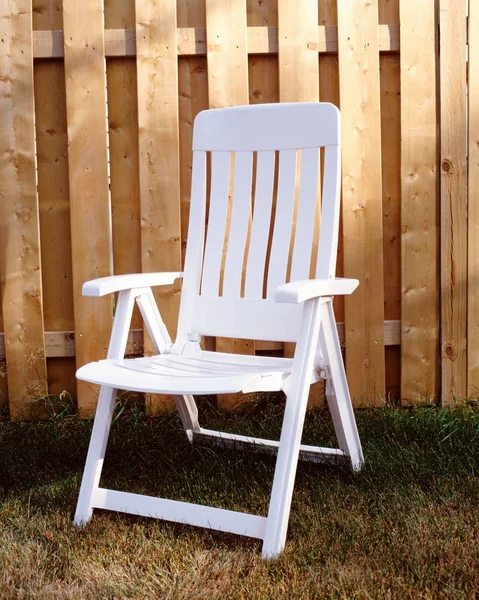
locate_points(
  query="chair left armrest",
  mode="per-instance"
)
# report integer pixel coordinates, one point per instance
(117, 283)
(297, 292)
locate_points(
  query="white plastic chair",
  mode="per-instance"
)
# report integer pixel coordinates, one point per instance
(300, 311)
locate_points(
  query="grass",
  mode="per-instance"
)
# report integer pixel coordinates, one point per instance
(406, 527)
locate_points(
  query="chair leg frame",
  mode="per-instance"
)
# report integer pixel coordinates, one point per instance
(185, 405)
(319, 328)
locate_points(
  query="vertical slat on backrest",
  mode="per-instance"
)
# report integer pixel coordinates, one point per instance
(258, 245)
(196, 236)
(328, 235)
(305, 220)
(215, 238)
(240, 216)
(278, 263)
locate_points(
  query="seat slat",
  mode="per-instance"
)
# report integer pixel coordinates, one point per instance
(215, 238)
(122, 375)
(305, 220)
(278, 263)
(258, 246)
(240, 216)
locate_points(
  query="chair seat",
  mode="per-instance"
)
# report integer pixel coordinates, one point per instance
(200, 373)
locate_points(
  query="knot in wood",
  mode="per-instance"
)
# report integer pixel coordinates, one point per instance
(450, 351)
(447, 166)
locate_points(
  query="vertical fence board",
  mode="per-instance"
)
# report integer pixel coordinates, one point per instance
(157, 69)
(263, 73)
(123, 142)
(228, 86)
(329, 92)
(124, 168)
(47, 14)
(88, 175)
(358, 47)
(388, 11)
(53, 197)
(391, 181)
(299, 81)
(453, 199)
(21, 283)
(298, 51)
(193, 98)
(419, 303)
(473, 204)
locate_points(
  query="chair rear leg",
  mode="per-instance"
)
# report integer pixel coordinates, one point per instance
(337, 391)
(96, 455)
(188, 411)
(185, 405)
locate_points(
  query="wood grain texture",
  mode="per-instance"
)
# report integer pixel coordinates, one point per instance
(20, 260)
(53, 195)
(157, 72)
(227, 53)
(90, 212)
(362, 197)
(388, 12)
(419, 231)
(453, 200)
(54, 204)
(473, 204)
(124, 168)
(299, 82)
(47, 14)
(329, 92)
(391, 173)
(262, 39)
(123, 143)
(227, 56)
(298, 51)
(391, 181)
(193, 98)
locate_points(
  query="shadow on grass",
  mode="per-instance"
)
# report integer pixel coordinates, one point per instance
(409, 522)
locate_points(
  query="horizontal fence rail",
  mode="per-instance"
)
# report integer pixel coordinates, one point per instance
(97, 103)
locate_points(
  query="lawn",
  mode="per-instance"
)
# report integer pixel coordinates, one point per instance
(406, 527)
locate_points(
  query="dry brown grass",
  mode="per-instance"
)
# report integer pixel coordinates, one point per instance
(406, 527)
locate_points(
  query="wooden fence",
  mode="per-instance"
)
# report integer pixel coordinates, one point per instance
(95, 169)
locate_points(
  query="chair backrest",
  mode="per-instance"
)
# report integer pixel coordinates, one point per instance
(254, 215)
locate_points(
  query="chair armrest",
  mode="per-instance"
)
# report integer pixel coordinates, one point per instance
(299, 291)
(117, 283)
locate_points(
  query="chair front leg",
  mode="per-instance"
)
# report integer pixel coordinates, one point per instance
(297, 393)
(96, 455)
(104, 412)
